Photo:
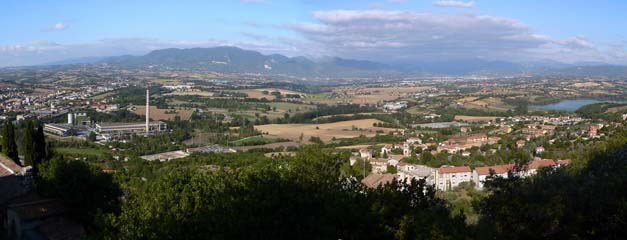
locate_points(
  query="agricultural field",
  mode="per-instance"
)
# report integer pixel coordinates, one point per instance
(474, 118)
(374, 95)
(326, 132)
(190, 93)
(164, 114)
(488, 104)
(259, 93)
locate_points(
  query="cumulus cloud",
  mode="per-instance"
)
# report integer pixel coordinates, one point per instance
(59, 26)
(458, 4)
(417, 35)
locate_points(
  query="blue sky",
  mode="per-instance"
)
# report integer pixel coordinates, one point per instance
(35, 32)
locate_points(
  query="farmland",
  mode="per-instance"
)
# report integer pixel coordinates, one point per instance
(326, 132)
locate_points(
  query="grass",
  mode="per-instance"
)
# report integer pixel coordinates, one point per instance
(80, 151)
(256, 140)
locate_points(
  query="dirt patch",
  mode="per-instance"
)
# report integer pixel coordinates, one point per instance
(164, 114)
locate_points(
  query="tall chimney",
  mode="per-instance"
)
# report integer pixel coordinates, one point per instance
(147, 110)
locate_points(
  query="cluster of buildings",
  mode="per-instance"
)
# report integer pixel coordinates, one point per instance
(394, 106)
(447, 178)
(79, 124)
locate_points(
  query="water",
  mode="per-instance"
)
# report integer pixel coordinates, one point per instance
(570, 105)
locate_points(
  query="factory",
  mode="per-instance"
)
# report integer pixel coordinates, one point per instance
(119, 130)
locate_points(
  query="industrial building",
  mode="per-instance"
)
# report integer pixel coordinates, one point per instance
(121, 129)
(62, 130)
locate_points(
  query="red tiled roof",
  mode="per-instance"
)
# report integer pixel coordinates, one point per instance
(453, 169)
(376, 180)
(498, 169)
(541, 163)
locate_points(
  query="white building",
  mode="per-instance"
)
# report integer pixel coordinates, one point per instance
(479, 174)
(447, 178)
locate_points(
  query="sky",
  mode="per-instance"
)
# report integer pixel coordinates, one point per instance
(392, 31)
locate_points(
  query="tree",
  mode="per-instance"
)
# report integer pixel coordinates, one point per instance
(84, 188)
(9, 147)
(28, 144)
(41, 152)
(91, 137)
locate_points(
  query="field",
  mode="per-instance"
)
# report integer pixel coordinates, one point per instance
(374, 95)
(474, 118)
(326, 132)
(84, 152)
(258, 93)
(164, 114)
(490, 103)
(190, 93)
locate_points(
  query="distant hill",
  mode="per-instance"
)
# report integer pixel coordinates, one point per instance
(236, 60)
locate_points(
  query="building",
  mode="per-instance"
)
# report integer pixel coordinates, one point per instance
(520, 143)
(32, 217)
(365, 153)
(62, 130)
(407, 171)
(386, 149)
(375, 180)
(479, 174)
(447, 178)
(533, 166)
(123, 129)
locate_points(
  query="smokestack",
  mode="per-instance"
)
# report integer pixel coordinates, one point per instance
(147, 110)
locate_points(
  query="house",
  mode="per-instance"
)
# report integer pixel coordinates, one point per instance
(376, 180)
(447, 178)
(520, 143)
(406, 150)
(386, 149)
(479, 174)
(533, 166)
(413, 140)
(379, 165)
(32, 217)
(365, 153)
(539, 150)
(407, 171)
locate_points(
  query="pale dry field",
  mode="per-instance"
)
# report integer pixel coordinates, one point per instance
(326, 131)
(160, 114)
(474, 118)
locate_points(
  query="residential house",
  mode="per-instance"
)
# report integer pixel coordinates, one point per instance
(479, 174)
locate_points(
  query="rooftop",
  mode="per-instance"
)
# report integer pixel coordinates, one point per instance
(454, 169)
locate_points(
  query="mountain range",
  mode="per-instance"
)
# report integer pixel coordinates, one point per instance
(236, 60)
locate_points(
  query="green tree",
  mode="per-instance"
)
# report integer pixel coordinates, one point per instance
(41, 153)
(9, 147)
(91, 137)
(83, 188)
(28, 144)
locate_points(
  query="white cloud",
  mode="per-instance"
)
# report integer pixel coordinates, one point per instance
(59, 26)
(397, 1)
(416, 35)
(450, 3)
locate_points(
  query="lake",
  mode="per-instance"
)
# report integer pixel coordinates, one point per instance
(570, 105)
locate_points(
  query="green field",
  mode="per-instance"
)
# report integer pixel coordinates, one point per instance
(256, 140)
(80, 151)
